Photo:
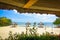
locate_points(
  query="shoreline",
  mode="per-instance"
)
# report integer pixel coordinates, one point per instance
(4, 31)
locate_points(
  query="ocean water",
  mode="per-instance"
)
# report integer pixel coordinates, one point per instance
(46, 24)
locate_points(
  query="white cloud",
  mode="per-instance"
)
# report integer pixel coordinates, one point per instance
(27, 14)
(43, 17)
(46, 18)
(15, 11)
(38, 17)
(44, 14)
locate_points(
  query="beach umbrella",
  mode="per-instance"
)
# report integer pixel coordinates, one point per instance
(14, 24)
(28, 24)
(40, 25)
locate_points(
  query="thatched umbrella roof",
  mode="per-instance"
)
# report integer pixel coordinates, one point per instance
(32, 6)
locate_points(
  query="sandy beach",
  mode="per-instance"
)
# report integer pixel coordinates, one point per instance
(4, 31)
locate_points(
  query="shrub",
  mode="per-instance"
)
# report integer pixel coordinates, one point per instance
(23, 36)
(5, 21)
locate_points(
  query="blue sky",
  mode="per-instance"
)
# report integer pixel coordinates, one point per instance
(16, 17)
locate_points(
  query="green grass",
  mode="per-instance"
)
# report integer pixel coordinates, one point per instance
(23, 36)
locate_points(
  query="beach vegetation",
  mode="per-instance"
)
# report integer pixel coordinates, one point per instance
(44, 36)
(5, 21)
(57, 21)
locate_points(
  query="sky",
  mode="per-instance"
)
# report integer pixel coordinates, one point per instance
(15, 16)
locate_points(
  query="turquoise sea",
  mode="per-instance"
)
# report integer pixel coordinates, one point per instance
(23, 24)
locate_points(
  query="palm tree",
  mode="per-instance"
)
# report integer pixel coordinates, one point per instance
(34, 25)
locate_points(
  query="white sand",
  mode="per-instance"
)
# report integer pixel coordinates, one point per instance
(4, 31)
